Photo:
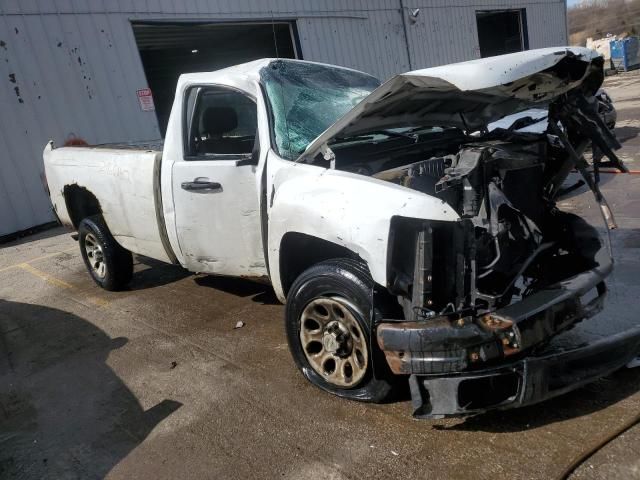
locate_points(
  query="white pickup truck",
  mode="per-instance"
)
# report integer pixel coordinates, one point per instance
(406, 239)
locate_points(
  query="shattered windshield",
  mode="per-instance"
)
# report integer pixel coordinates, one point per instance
(307, 98)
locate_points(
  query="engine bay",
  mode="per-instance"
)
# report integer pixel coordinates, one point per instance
(512, 240)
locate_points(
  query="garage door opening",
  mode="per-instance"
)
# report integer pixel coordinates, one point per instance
(502, 31)
(169, 49)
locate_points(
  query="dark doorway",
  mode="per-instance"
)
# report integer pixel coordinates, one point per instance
(168, 50)
(502, 31)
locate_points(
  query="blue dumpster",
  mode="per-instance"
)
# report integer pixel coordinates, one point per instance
(625, 53)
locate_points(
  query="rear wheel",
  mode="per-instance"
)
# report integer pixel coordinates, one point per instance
(328, 322)
(110, 265)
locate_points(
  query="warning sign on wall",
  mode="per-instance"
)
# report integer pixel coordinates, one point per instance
(146, 100)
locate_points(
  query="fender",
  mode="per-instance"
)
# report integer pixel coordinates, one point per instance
(344, 208)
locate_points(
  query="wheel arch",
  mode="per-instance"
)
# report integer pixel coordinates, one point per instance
(80, 203)
(299, 251)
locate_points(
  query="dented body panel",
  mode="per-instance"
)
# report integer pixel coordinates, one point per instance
(343, 208)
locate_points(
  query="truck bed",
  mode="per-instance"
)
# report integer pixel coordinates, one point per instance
(123, 179)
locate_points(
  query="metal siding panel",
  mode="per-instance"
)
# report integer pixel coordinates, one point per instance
(127, 5)
(328, 33)
(58, 60)
(14, 174)
(78, 90)
(19, 126)
(446, 33)
(15, 213)
(99, 80)
(546, 25)
(303, 26)
(374, 44)
(441, 36)
(81, 6)
(168, 6)
(9, 212)
(85, 71)
(129, 64)
(59, 6)
(28, 6)
(109, 81)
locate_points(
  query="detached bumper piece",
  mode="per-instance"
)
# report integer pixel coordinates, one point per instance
(525, 382)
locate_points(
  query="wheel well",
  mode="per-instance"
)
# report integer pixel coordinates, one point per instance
(299, 252)
(81, 203)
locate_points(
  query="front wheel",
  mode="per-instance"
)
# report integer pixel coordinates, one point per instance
(328, 322)
(110, 265)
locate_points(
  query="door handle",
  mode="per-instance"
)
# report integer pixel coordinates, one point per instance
(202, 184)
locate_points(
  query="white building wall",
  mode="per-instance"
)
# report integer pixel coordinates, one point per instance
(76, 65)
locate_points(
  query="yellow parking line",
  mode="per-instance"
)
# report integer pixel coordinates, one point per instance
(50, 279)
(19, 265)
(100, 302)
(44, 276)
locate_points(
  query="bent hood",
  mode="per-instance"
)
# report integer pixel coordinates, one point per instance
(469, 95)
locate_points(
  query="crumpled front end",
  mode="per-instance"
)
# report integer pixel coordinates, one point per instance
(482, 296)
(466, 362)
(453, 324)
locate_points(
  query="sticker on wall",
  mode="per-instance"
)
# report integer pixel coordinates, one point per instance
(146, 100)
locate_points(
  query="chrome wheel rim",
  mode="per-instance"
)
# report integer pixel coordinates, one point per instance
(95, 255)
(333, 341)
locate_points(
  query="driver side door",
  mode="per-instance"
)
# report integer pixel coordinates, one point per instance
(216, 196)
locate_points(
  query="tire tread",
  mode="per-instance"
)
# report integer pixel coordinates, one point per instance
(373, 389)
(119, 260)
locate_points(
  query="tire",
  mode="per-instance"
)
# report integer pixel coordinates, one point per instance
(337, 295)
(110, 265)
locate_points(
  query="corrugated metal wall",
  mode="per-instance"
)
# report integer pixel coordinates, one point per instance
(71, 67)
(446, 31)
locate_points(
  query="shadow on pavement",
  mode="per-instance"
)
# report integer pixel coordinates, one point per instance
(626, 133)
(575, 177)
(259, 292)
(40, 232)
(63, 412)
(156, 274)
(583, 401)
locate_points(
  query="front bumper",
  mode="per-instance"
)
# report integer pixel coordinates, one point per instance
(461, 366)
(525, 382)
(445, 345)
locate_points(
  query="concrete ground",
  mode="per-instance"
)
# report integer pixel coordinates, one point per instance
(155, 382)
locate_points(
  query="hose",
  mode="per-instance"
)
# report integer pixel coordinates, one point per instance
(584, 456)
(609, 170)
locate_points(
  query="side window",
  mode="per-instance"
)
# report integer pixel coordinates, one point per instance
(218, 122)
